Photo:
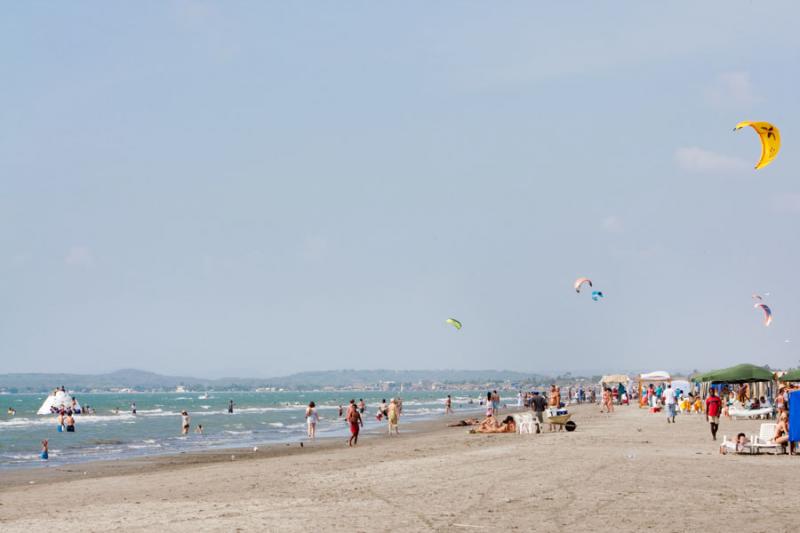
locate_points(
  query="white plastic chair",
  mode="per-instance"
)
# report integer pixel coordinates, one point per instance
(526, 424)
(764, 440)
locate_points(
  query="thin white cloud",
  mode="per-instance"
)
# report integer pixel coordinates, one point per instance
(613, 224)
(786, 203)
(694, 159)
(79, 256)
(732, 89)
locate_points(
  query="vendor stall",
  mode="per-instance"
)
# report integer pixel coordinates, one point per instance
(659, 376)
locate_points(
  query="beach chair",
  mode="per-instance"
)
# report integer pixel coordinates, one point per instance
(764, 439)
(527, 424)
(729, 447)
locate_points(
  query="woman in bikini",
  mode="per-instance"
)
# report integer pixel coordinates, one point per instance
(782, 430)
(490, 425)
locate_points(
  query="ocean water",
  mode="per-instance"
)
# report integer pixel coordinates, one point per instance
(258, 418)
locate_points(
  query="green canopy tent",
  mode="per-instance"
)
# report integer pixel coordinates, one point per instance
(745, 373)
(791, 375)
(758, 377)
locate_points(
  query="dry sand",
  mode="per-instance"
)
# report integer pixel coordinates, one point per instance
(624, 472)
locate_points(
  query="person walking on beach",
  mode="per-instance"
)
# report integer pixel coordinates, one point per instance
(670, 403)
(230, 407)
(713, 410)
(554, 402)
(356, 423)
(538, 403)
(604, 399)
(393, 417)
(448, 405)
(184, 422)
(312, 417)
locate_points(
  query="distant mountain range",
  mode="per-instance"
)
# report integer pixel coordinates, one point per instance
(142, 380)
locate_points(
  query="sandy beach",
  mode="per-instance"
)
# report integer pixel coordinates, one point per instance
(627, 471)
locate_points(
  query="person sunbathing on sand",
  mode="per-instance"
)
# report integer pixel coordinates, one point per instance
(490, 425)
(467, 422)
(737, 446)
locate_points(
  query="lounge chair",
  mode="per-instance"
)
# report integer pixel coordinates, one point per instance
(764, 440)
(729, 446)
(736, 412)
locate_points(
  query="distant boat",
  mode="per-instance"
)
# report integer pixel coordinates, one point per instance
(57, 400)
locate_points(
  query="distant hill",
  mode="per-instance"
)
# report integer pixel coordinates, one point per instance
(344, 378)
(142, 380)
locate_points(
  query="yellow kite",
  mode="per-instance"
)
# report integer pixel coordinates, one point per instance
(770, 140)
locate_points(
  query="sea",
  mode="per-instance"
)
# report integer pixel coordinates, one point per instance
(114, 432)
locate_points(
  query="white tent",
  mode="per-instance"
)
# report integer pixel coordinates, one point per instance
(57, 400)
(658, 375)
(682, 384)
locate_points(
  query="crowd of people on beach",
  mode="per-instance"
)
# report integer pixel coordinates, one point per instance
(354, 417)
(719, 403)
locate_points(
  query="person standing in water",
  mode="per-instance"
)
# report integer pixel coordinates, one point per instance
(361, 405)
(340, 410)
(312, 417)
(69, 422)
(133, 408)
(184, 422)
(45, 453)
(448, 405)
(230, 407)
(60, 421)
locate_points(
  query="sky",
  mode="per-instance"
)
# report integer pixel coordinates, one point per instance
(260, 188)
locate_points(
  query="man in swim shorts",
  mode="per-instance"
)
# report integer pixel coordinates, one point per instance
(354, 418)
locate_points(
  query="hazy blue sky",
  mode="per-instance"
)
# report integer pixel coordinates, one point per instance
(256, 188)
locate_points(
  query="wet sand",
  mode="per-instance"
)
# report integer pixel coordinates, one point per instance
(626, 471)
